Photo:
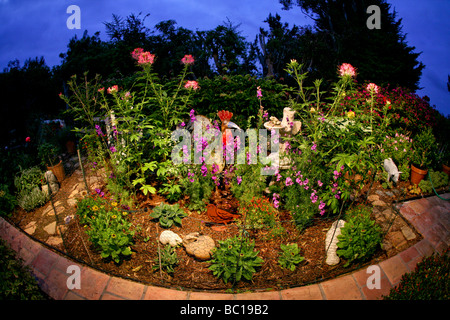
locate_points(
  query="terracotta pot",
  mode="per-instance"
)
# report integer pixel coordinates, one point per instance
(58, 171)
(70, 146)
(446, 169)
(417, 175)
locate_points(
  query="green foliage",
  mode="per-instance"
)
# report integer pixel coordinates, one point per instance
(169, 259)
(48, 153)
(7, 201)
(290, 256)
(424, 145)
(235, 259)
(360, 237)
(16, 281)
(29, 194)
(167, 214)
(258, 213)
(429, 281)
(107, 227)
(438, 179)
(252, 182)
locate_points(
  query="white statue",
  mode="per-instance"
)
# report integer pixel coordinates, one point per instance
(331, 241)
(170, 237)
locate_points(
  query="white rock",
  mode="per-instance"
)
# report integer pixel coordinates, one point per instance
(332, 257)
(170, 237)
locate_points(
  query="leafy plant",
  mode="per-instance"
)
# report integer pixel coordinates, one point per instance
(7, 201)
(16, 281)
(290, 256)
(29, 194)
(360, 237)
(424, 144)
(49, 154)
(169, 259)
(438, 179)
(429, 281)
(167, 215)
(108, 228)
(28, 200)
(235, 259)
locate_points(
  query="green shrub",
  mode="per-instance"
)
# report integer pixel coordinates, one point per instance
(234, 259)
(290, 256)
(28, 200)
(107, 227)
(28, 179)
(439, 179)
(169, 259)
(360, 237)
(429, 281)
(7, 201)
(16, 281)
(167, 214)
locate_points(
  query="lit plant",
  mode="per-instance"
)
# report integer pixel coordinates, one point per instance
(167, 215)
(290, 256)
(167, 258)
(360, 237)
(258, 213)
(235, 259)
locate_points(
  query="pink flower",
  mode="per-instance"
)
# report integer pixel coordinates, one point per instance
(239, 180)
(259, 93)
(27, 139)
(346, 69)
(187, 59)
(372, 87)
(146, 58)
(137, 53)
(101, 89)
(112, 89)
(192, 84)
(289, 182)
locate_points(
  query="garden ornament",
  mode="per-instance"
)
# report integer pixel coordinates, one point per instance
(199, 246)
(392, 170)
(52, 181)
(170, 237)
(218, 215)
(331, 241)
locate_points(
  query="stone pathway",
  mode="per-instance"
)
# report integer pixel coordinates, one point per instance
(62, 207)
(429, 216)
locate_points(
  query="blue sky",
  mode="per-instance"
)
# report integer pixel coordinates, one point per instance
(37, 28)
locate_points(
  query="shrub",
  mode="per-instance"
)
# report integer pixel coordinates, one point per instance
(167, 214)
(429, 281)
(234, 259)
(438, 180)
(258, 213)
(16, 281)
(169, 259)
(28, 200)
(360, 237)
(7, 201)
(290, 256)
(108, 228)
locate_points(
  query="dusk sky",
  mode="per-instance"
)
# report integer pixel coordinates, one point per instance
(38, 28)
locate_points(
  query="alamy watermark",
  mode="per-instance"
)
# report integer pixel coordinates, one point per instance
(74, 20)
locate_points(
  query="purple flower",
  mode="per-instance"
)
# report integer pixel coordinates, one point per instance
(289, 182)
(314, 147)
(321, 205)
(239, 180)
(191, 114)
(319, 183)
(112, 149)
(99, 130)
(204, 170)
(275, 198)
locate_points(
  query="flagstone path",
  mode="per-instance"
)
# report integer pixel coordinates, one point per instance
(428, 216)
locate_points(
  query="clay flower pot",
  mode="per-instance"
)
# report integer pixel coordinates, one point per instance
(417, 175)
(58, 171)
(446, 169)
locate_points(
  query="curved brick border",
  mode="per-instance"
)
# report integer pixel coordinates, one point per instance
(430, 216)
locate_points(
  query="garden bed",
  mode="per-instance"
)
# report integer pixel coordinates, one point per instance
(191, 273)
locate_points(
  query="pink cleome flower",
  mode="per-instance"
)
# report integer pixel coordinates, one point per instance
(137, 53)
(192, 84)
(112, 89)
(187, 59)
(372, 87)
(346, 69)
(146, 58)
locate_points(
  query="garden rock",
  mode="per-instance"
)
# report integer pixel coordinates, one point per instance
(199, 246)
(52, 182)
(170, 237)
(331, 241)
